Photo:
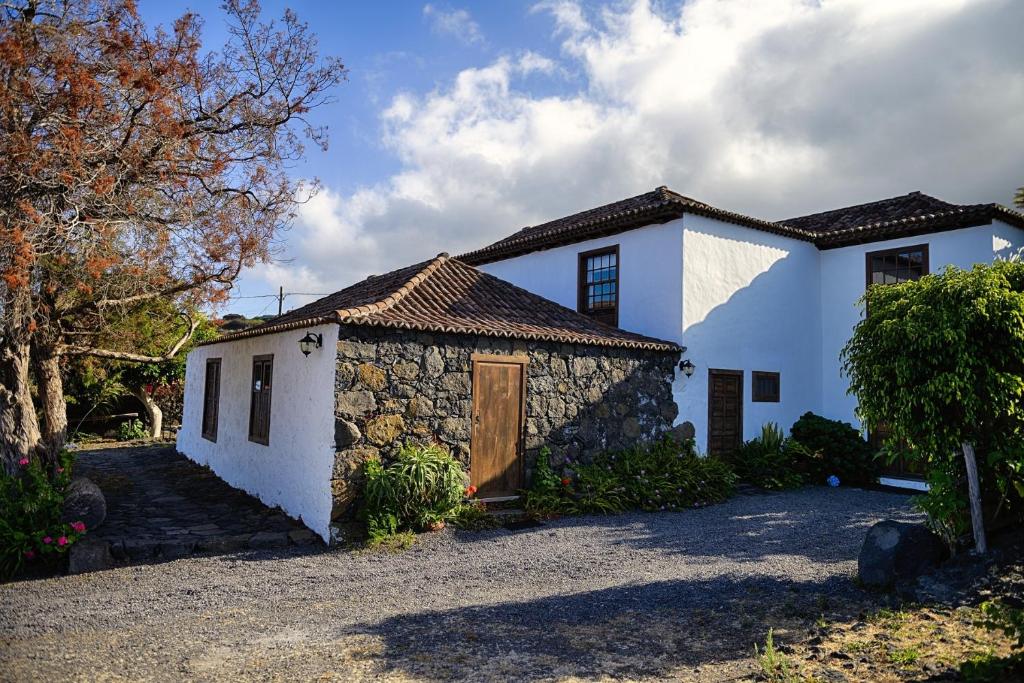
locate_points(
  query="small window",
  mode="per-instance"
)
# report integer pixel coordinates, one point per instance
(764, 387)
(599, 285)
(893, 266)
(259, 408)
(211, 399)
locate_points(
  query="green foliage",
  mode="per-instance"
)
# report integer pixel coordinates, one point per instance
(395, 542)
(423, 487)
(840, 450)
(665, 475)
(772, 461)
(473, 516)
(775, 666)
(31, 504)
(998, 616)
(940, 361)
(131, 430)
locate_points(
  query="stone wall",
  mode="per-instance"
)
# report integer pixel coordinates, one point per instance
(392, 386)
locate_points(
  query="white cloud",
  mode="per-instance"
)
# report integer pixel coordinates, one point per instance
(770, 108)
(454, 22)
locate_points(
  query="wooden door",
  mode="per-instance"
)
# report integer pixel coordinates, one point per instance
(499, 408)
(725, 411)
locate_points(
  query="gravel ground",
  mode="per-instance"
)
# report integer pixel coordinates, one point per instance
(637, 596)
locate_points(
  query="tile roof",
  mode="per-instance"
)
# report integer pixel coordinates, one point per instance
(910, 214)
(446, 295)
(659, 206)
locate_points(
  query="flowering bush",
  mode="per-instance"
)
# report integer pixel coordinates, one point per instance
(31, 504)
(665, 475)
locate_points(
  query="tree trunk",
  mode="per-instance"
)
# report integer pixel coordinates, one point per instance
(153, 412)
(51, 398)
(974, 490)
(19, 426)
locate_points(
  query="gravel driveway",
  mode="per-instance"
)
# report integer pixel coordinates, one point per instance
(638, 596)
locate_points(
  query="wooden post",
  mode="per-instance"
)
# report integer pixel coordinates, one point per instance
(974, 490)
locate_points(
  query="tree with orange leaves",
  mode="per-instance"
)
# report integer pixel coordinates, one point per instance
(134, 166)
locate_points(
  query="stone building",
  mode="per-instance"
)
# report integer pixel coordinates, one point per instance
(438, 351)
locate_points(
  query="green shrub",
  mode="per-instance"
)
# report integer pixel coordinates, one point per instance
(424, 486)
(665, 475)
(131, 430)
(939, 361)
(31, 504)
(473, 516)
(840, 449)
(772, 461)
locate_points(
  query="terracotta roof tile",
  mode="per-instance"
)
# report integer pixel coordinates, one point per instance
(446, 295)
(910, 214)
(659, 206)
(906, 215)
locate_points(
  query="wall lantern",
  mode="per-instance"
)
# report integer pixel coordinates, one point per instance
(309, 342)
(687, 367)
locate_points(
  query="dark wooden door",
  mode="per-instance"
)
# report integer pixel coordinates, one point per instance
(499, 401)
(725, 411)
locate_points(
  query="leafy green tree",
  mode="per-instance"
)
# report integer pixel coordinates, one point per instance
(940, 361)
(147, 330)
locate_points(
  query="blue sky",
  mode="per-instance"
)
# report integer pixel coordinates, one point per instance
(462, 122)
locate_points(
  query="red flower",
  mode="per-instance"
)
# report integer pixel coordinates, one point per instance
(30, 554)
(63, 540)
(78, 526)
(47, 540)
(566, 481)
(23, 462)
(470, 491)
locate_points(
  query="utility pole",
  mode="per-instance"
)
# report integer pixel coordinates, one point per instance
(280, 300)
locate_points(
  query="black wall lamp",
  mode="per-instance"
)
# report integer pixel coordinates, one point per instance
(686, 365)
(309, 342)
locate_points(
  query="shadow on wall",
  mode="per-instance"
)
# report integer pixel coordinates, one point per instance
(772, 324)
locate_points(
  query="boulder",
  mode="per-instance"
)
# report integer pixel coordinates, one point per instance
(84, 502)
(897, 551)
(89, 555)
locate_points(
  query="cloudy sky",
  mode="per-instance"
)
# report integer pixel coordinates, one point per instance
(461, 123)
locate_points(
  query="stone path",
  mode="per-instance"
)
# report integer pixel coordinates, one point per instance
(162, 506)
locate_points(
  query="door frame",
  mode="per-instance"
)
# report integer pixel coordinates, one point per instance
(523, 362)
(732, 373)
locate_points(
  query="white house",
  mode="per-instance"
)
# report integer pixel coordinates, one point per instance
(763, 308)
(585, 333)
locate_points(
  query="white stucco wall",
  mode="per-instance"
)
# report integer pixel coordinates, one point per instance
(843, 281)
(294, 470)
(650, 276)
(1007, 241)
(750, 302)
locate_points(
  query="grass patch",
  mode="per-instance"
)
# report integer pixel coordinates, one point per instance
(775, 666)
(904, 656)
(391, 543)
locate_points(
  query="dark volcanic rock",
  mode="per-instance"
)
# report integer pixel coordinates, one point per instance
(895, 551)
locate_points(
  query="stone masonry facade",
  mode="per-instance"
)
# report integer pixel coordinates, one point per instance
(393, 386)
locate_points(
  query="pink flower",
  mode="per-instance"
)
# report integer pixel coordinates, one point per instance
(30, 554)
(47, 540)
(63, 540)
(60, 470)
(78, 526)
(23, 462)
